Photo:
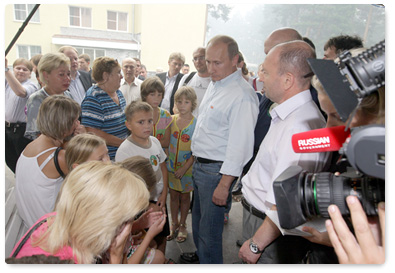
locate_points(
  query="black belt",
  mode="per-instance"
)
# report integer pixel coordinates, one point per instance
(207, 161)
(252, 210)
(14, 124)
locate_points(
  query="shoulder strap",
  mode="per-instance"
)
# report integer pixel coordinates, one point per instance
(189, 78)
(55, 158)
(47, 150)
(46, 161)
(27, 236)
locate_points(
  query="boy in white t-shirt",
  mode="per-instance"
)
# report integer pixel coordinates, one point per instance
(139, 121)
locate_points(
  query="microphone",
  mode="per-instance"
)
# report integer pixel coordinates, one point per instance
(320, 140)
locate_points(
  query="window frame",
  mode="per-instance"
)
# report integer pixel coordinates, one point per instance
(117, 20)
(27, 12)
(81, 50)
(80, 17)
(29, 51)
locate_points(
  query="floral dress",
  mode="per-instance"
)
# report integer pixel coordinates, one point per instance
(162, 124)
(179, 153)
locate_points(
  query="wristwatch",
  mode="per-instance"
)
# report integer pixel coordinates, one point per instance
(6, 69)
(254, 248)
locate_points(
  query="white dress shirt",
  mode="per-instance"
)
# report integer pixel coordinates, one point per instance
(225, 127)
(295, 115)
(76, 89)
(15, 105)
(131, 92)
(169, 85)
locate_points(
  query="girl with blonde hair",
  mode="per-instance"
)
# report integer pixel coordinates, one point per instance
(93, 216)
(86, 147)
(179, 163)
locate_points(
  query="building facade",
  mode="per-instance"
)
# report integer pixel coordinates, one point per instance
(147, 31)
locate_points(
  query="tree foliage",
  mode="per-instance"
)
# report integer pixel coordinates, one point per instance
(220, 11)
(319, 22)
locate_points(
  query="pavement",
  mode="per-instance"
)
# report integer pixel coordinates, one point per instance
(232, 232)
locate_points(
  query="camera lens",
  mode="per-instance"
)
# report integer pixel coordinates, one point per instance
(323, 189)
(301, 195)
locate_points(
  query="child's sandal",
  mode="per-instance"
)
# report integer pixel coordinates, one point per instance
(182, 235)
(173, 232)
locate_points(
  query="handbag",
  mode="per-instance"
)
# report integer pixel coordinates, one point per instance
(27, 236)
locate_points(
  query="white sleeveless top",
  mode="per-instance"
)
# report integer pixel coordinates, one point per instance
(35, 192)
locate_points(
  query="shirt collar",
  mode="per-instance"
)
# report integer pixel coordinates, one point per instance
(167, 75)
(133, 82)
(77, 76)
(287, 107)
(229, 78)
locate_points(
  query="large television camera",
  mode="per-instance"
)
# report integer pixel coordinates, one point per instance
(300, 195)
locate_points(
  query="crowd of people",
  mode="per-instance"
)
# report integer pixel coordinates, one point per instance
(96, 152)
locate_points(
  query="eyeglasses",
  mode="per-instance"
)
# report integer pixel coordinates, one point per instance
(199, 58)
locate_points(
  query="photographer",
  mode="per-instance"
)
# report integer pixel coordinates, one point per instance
(370, 111)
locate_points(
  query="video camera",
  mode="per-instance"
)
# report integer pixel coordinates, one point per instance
(301, 195)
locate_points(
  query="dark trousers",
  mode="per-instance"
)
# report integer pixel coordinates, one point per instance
(15, 143)
(283, 250)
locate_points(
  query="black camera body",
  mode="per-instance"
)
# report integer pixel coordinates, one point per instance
(300, 195)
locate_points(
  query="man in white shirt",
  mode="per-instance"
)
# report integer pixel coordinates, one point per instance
(130, 87)
(284, 83)
(200, 80)
(221, 144)
(171, 79)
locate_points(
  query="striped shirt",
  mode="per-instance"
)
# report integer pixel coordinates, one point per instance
(99, 111)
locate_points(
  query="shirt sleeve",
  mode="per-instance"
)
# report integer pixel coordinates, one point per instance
(30, 88)
(308, 161)
(32, 107)
(242, 120)
(162, 154)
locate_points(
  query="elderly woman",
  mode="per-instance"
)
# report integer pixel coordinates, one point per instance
(54, 71)
(39, 168)
(104, 105)
(18, 88)
(94, 215)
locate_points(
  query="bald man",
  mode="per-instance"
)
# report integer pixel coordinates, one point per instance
(130, 87)
(279, 36)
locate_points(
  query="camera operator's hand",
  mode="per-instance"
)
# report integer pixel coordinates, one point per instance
(366, 247)
(317, 237)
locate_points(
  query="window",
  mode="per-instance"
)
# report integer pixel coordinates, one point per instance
(27, 52)
(22, 11)
(117, 21)
(93, 53)
(80, 17)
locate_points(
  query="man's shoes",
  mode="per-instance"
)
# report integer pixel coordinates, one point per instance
(189, 258)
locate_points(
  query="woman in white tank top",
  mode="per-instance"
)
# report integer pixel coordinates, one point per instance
(42, 164)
